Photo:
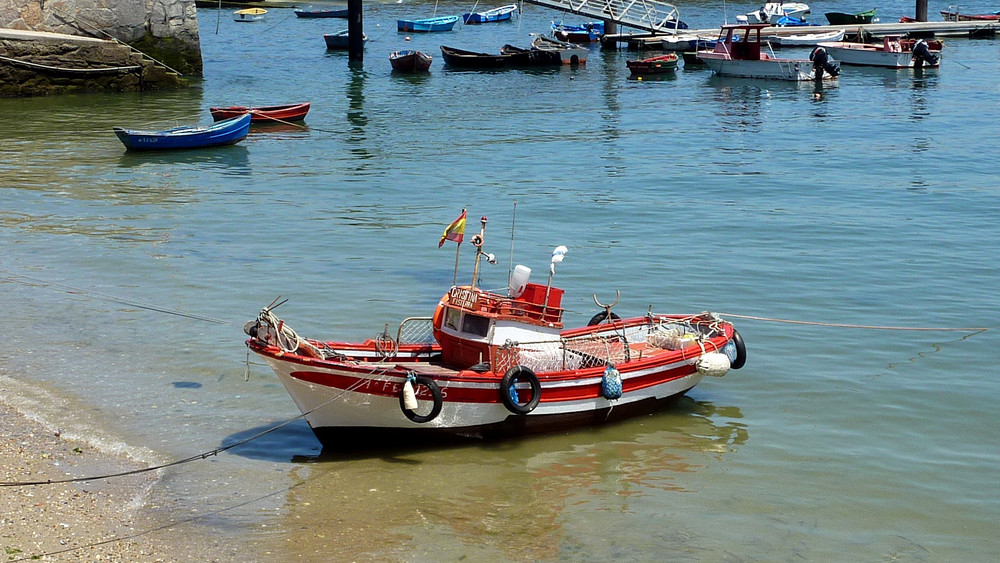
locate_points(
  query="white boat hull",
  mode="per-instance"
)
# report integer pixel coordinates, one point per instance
(371, 401)
(779, 69)
(806, 39)
(861, 54)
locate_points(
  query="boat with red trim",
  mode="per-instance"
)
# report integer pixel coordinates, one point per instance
(263, 114)
(492, 364)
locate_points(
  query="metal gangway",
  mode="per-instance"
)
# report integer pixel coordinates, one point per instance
(650, 15)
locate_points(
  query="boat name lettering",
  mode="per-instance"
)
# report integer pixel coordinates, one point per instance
(391, 388)
(463, 297)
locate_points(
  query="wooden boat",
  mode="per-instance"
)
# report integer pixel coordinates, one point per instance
(263, 114)
(249, 15)
(529, 57)
(428, 25)
(460, 58)
(312, 14)
(953, 15)
(503, 13)
(569, 53)
(490, 364)
(340, 40)
(805, 39)
(771, 11)
(894, 52)
(743, 57)
(224, 132)
(410, 61)
(583, 33)
(653, 65)
(841, 18)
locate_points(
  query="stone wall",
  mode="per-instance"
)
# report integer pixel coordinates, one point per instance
(166, 30)
(41, 63)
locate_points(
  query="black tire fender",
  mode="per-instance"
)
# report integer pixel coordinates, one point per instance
(601, 317)
(741, 350)
(510, 379)
(438, 401)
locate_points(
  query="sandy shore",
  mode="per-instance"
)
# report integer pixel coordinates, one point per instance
(91, 521)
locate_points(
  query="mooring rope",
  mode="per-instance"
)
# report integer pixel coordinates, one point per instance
(202, 455)
(102, 70)
(845, 325)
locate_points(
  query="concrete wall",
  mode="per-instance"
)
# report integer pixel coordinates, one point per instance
(166, 30)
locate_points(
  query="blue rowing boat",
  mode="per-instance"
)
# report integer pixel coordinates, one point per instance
(226, 132)
(312, 14)
(444, 23)
(503, 13)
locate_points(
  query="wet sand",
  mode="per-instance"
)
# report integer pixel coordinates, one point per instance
(88, 520)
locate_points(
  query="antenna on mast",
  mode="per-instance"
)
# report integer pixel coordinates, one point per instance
(510, 268)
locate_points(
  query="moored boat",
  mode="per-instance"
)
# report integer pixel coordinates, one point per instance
(249, 15)
(340, 40)
(494, 363)
(952, 14)
(770, 12)
(224, 132)
(686, 42)
(583, 33)
(428, 25)
(410, 61)
(653, 65)
(263, 114)
(894, 52)
(461, 58)
(743, 58)
(841, 18)
(569, 53)
(805, 39)
(313, 13)
(503, 13)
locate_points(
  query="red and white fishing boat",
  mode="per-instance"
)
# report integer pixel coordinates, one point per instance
(738, 53)
(894, 52)
(489, 364)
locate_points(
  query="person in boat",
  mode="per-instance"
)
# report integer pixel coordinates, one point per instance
(821, 63)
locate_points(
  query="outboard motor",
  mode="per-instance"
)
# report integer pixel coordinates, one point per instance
(922, 54)
(821, 63)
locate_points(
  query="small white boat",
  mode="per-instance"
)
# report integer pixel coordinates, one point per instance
(686, 42)
(770, 12)
(894, 52)
(738, 54)
(805, 39)
(569, 53)
(249, 15)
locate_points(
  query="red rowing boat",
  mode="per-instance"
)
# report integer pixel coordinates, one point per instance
(264, 114)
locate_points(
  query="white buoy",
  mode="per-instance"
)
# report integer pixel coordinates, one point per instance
(713, 364)
(410, 397)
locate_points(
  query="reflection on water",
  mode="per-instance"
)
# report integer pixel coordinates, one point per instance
(231, 160)
(502, 499)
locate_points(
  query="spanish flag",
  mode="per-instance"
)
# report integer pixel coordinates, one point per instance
(455, 231)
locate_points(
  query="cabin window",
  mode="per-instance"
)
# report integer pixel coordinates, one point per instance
(474, 324)
(452, 318)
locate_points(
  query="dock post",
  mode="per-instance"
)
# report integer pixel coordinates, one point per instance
(356, 31)
(610, 27)
(921, 11)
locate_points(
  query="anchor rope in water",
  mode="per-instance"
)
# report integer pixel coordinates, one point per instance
(846, 325)
(371, 375)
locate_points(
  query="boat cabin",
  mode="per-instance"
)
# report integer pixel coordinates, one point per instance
(741, 41)
(470, 323)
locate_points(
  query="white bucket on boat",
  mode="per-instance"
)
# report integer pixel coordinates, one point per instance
(519, 280)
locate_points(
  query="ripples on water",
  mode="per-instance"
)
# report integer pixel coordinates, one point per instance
(874, 205)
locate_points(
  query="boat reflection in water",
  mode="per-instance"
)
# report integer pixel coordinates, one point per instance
(508, 499)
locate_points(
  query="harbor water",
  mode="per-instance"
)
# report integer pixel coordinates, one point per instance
(827, 222)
